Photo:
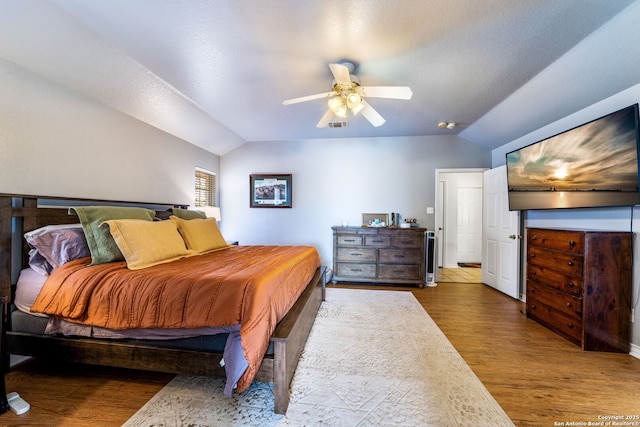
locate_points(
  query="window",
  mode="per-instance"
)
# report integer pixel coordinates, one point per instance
(205, 188)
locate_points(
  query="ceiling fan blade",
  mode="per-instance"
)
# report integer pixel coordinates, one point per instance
(395, 92)
(341, 74)
(308, 98)
(372, 115)
(326, 118)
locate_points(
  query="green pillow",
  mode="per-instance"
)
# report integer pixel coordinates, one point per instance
(101, 244)
(186, 214)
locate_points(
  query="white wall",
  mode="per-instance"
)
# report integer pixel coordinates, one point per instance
(56, 143)
(337, 180)
(614, 219)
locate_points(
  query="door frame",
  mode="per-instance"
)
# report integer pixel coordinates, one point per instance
(439, 208)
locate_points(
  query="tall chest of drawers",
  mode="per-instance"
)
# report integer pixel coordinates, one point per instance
(579, 286)
(379, 255)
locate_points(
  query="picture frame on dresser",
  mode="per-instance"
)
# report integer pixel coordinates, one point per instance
(370, 218)
(270, 191)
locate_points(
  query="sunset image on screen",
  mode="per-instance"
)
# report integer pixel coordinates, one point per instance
(597, 163)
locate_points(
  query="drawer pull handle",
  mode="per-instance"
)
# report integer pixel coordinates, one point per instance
(378, 241)
(533, 255)
(533, 306)
(356, 254)
(572, 244)
(534, 238)
(400, 256)
(570, 263)
(571, 284)
(349, 240)
(533, 273)
(356, 270)
(568, 304)
(570, 325)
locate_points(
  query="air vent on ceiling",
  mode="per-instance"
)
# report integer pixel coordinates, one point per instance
(338, 124)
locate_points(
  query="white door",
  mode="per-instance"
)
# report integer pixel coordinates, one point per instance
(455, 206)
(501, 232)
(440, 217)
(469, 243)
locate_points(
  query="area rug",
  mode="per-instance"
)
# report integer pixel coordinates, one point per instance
(373, 358)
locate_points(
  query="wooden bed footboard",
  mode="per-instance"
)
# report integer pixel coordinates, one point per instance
(288, 339)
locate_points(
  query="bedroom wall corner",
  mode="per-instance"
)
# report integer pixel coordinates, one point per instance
(56, 142)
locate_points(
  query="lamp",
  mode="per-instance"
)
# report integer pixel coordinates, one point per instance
(353, 100)
(211, 212)
(346, 98)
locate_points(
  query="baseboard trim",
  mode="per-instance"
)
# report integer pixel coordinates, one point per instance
(635, 351)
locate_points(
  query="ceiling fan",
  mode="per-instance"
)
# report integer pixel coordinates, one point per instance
(348, 96)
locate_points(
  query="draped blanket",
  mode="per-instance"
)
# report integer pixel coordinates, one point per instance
(250, 286)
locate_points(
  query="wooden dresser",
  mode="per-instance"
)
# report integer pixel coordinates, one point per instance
(579, 286)
(379, 255)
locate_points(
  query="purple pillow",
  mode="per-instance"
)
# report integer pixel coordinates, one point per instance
(55, 245)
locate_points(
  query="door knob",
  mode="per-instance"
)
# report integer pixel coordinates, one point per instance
(513, 236)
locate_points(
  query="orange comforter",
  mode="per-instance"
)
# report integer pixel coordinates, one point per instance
(253, 286)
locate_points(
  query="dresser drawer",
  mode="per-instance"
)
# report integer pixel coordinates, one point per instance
(560, 240)
(377, 240)
(408, 241)
(399, 272)
(563, 302)
(367, 271)
(555, 279)
(559, 261)
(356, 254)
(568, 326)
(349, 240)
(399, 256)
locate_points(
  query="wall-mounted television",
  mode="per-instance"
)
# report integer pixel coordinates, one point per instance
(592, 165)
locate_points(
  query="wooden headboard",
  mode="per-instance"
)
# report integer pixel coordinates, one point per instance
(20, 214)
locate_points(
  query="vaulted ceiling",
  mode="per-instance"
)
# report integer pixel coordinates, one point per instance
(215, 72)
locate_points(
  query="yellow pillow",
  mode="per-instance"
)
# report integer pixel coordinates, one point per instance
(200, 235)
(147, 243)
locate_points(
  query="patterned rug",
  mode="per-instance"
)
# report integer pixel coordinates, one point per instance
(373, 358)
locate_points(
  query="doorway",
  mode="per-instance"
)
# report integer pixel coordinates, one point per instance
(458, 224)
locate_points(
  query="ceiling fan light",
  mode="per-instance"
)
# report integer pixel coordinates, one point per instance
(334, 104)
(342, 111)
(353, 100)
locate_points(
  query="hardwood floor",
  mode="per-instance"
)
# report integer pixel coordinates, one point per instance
(538, 378)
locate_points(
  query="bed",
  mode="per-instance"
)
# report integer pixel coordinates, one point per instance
(287, 314)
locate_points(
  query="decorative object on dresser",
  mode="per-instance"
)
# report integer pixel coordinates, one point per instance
(379, 255)
(579, 286)
(375, 219)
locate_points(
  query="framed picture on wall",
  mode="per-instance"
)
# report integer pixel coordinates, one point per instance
(270, 191)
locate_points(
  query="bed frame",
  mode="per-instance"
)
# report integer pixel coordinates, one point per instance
(19, 214)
